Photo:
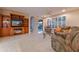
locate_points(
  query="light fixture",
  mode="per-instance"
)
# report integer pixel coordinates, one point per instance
(63, 10)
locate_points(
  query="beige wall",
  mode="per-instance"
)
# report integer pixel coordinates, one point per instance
(72, 18)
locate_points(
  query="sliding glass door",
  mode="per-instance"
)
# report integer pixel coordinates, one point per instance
(40, 26)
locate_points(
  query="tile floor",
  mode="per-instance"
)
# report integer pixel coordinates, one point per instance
(26, 43)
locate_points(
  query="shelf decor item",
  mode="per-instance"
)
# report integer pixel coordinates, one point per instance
(6, 23)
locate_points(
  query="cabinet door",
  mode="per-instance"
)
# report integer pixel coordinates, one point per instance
(26, 22)
(6, 32)
(26, 29)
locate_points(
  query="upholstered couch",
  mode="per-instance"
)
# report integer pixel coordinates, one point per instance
(66, 42)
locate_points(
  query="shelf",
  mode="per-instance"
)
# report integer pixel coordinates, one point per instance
(7, 30)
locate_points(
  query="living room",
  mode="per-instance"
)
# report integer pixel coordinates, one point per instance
(32, 29)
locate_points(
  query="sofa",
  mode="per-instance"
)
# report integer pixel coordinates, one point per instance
(66, 42)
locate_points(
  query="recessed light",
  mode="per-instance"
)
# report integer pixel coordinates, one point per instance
(63, 10)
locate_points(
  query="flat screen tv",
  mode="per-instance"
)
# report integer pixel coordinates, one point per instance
(16, 23)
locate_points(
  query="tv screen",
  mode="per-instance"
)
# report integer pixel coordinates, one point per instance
(17, 22)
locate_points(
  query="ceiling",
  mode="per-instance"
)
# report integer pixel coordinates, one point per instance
(39, 11)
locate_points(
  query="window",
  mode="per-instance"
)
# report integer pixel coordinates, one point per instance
(59, 21)
(63, 21)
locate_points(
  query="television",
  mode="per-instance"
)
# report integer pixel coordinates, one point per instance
(16, 23)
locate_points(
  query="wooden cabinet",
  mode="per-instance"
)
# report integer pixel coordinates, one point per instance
(6, 25)
(26, 25)
(20, 29)
(6, 28)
